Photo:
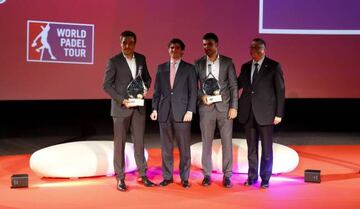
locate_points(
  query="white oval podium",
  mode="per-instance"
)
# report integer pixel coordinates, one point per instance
(285, 159)
(80, 159)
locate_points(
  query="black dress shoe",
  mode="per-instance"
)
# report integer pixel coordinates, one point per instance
(249, 182)
(227, 182)
(206, 181)
(264, 184)
(121, 186)
(147, 182)
(185, 184)
(166, 182)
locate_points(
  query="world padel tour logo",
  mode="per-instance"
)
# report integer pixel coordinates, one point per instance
(60, 42)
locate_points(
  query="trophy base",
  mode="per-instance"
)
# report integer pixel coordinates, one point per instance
(213, 99)
(136, 102)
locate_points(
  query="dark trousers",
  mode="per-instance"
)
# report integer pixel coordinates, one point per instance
(181, 131)
(255, 132)
(136, 123)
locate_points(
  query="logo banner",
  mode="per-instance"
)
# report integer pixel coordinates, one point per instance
(60, 42)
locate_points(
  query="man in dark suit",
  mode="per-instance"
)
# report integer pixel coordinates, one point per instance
(260, 108)
(174, 103)
(221, 113)
(120, 71)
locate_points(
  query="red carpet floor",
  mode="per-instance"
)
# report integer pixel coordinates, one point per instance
(340, 186)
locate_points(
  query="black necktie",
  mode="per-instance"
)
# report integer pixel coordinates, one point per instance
(255, 72)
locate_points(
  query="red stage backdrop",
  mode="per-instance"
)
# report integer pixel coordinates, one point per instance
(58, 49)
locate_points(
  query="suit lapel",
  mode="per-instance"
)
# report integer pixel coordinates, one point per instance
(137, 62)
(203, 68)
(125, 64)
(167, 74)
(248, 72)
(221, 68)
(177, 74)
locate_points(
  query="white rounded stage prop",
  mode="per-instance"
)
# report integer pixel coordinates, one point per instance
(285, 159)
(80, 159)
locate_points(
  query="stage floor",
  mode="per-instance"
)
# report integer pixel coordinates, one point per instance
(340, 186)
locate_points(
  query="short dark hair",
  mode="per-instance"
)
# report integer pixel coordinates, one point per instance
(211, 36)
(128, 33)
(177, 41)
(259, 41)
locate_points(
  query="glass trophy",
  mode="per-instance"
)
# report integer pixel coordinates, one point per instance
(211, 88)
(136, 90)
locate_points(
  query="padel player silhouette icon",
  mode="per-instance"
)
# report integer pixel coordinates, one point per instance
(45, 44)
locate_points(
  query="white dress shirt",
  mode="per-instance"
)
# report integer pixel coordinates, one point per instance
(215, 67)
(132, 65)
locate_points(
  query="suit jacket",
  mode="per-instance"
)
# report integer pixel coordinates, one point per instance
(116, 79)
(227, 82)
(181, 98)
(266, 96)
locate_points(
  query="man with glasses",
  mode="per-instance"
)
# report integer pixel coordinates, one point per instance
(261, 106)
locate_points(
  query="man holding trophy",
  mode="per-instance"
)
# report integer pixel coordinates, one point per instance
(218, 94)
(126, 80)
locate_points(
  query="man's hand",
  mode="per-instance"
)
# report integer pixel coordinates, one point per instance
(277, 120)
(188, 116)
(153, 115)
(232, 113)
(126, 103)
(205, 100)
